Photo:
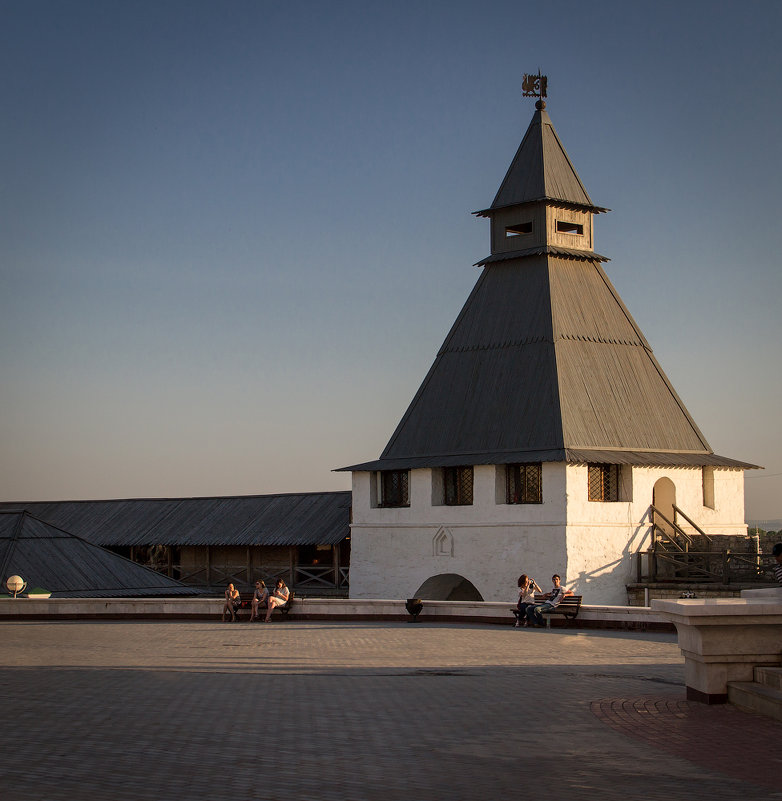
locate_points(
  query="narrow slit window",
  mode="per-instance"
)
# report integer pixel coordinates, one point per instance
(519, 229)
(564, 227)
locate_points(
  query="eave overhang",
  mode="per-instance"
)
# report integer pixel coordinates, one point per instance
(551, 201)
(542, 250)
(569, 455)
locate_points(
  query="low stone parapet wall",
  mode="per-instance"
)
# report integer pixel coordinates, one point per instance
(313, 609)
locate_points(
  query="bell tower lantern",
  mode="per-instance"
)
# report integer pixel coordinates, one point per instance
(541, 205)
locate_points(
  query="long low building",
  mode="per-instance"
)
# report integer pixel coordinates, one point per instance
(303, 538)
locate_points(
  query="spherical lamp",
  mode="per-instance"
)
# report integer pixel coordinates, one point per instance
(15, 584)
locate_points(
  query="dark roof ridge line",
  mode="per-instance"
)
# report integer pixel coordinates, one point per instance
(630, 449)
(552, 201)
(444, 348)
(547, 121)
(14, 539)
(536, 340)
(514, 343)
(601, 340)
(172, 499)
(559, 433)
(542, 250)
(698, 433)
(536, 120)
(88, 543)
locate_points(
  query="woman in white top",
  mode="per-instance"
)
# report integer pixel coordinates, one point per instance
(279, 598)
(527, 589)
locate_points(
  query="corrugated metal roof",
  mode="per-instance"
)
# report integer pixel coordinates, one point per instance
(312, 518)
(70, 567)
(544, 357)
(570, 455)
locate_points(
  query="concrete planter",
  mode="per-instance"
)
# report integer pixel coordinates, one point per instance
(723, 640)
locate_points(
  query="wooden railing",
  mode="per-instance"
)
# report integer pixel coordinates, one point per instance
(308, 577)
(659, 534)
(718, 567)
(678, 512)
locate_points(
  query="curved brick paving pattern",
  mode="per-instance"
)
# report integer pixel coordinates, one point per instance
(721, 738)
(136, 711)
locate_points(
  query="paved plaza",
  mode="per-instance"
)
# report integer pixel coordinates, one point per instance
(295, 711)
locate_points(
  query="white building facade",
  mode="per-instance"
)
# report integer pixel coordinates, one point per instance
(592, 544)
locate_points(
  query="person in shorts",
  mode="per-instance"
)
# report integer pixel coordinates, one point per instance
(232, 602)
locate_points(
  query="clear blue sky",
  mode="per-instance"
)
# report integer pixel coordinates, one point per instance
(234, 235)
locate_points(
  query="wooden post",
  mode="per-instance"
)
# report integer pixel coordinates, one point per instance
(209, 565)
(292, 565)
(170, 549)
(249, 567)
(335, 556)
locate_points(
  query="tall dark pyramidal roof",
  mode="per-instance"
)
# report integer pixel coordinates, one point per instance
(544, 362)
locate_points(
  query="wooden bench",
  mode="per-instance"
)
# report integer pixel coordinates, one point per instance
(568, 607)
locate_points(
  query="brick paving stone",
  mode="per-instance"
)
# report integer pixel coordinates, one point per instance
(705, 735)
(129, 711)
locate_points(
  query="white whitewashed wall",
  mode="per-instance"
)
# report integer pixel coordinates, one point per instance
(393, 551)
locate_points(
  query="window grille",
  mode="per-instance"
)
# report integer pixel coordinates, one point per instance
(394, 487)
(524, 483)
(458, 486)
(603, 482)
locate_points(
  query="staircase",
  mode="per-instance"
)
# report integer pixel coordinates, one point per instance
(764, 695)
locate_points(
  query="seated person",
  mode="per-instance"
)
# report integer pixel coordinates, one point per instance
(232, 602)
(260, 599)
(278, 598)
(527, 588)
(553, 599)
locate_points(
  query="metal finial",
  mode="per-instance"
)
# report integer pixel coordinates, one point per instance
(535, 86)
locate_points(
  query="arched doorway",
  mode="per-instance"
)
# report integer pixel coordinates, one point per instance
(664, 499)
(448, 587)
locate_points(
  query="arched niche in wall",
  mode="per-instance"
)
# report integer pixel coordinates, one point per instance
(664, 499)
(448, 587)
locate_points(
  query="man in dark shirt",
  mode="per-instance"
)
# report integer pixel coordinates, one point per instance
(553, 599)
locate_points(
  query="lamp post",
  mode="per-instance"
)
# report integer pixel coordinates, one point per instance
(15, 584)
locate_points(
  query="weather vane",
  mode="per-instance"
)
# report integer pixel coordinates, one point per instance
(534, 85)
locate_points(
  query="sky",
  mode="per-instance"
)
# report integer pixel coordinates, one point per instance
(233, 235)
